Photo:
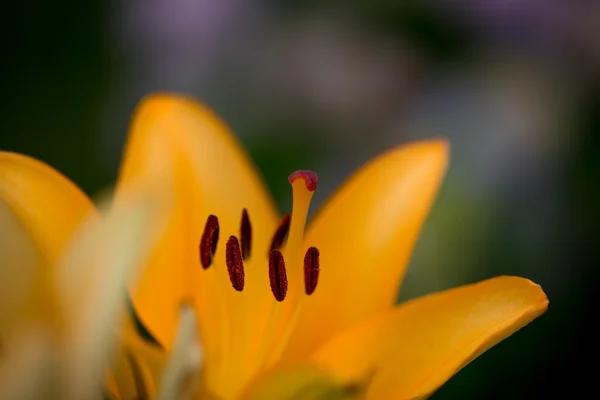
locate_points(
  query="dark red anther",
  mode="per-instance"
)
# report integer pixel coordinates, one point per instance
(277, 275)
(246, 235)
(235, 264)
(310, 178)
(311, 270)
(281, 233)
(209, 240)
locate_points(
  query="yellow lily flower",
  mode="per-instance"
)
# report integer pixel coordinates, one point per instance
(237, 302)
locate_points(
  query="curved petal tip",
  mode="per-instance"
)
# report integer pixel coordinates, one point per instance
(419, 345)
(437, 147)
(163, 101)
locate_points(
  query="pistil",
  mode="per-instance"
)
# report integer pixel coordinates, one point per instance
(303, 183)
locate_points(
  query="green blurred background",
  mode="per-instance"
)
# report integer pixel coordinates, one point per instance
(325, 85)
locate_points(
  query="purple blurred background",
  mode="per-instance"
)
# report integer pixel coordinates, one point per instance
(515, 86)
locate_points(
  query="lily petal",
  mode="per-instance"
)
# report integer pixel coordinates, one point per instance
(92, 273)
(20, 260)
(212, 175)
(365, 234)
(39, 211)
(48, 204)
(415, 348)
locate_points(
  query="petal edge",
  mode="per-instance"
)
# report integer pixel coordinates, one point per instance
(419, 345)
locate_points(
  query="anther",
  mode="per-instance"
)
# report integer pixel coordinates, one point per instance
(209, 240)
(246, 234)
(311, 270)
(235, 265)
(281, 233)
(277, 275)
(310, 178)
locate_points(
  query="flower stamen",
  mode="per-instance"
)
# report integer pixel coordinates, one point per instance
(277, 275)
(281, 233)
(246, 234)
(235, 264)
(209, 240)
(311, 270)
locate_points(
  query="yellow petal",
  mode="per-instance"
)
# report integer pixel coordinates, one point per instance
(49, 205)
(39, 211)
(20, 260)
(103, 255)
(415, 348)
(212, 175)
(365, 234)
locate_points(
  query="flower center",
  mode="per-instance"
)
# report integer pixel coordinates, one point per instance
(253, 329)
(291, 227)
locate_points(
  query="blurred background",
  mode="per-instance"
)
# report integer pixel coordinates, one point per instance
(326, 85)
